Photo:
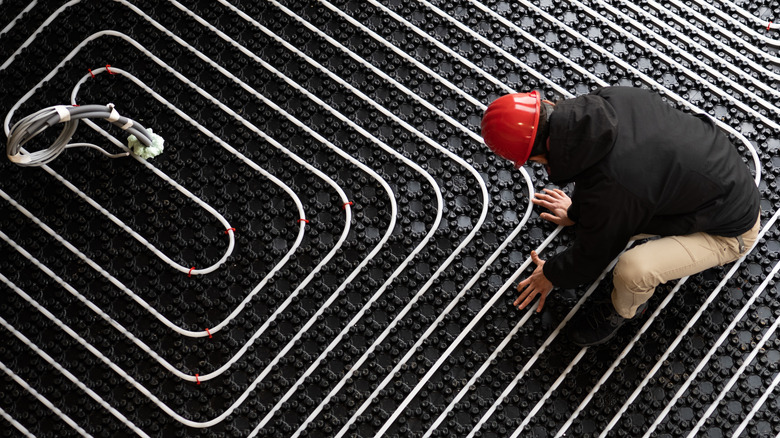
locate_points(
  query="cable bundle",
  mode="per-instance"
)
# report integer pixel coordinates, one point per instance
(143, 142)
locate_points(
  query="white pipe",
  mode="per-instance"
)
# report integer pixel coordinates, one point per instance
(742, 74)
(765, 336)
(684, 331)
(649, 80)
(728, 19)
(92, 394)
(13, 22)
(756, 406)
(19, 426)
(27, 387)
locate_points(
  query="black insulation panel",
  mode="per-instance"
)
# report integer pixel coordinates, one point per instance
(326, 248)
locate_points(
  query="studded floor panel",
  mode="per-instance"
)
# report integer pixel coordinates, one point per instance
(326, 248)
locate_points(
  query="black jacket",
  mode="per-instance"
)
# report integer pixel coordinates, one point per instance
(641, 166)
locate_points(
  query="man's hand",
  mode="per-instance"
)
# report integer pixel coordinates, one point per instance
(558, 203)
(536, 284)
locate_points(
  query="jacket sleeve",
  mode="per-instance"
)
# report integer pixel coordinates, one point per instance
(607, 217)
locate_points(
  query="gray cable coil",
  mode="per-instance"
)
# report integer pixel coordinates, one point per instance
(26, 129)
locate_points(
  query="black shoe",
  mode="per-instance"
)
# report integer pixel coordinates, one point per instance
(597, 324)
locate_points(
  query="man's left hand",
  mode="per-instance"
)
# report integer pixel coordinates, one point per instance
(535, 284)
(558, 203)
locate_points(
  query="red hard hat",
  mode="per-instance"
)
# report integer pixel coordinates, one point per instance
(509, 125)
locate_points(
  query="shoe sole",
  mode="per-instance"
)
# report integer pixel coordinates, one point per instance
(612, 335)
(599, 342)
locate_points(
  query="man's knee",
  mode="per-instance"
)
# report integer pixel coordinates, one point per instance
(631, 272)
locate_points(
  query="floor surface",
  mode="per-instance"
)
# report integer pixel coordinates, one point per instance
(326, 248)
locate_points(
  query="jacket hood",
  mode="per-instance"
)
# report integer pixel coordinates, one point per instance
(582, 131)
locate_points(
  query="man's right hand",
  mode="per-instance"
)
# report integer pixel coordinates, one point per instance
(558, 203)
(536, 284)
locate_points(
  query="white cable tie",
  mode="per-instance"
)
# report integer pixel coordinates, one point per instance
(63, 112)
(128, 125)
(114, 116)
(19, 158)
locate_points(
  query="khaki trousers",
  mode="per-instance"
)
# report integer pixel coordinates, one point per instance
(640, 269)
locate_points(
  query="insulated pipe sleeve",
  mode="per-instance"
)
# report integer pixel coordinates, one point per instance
(27, 128)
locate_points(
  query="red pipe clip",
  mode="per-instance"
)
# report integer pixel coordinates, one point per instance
(189, 274)
(229, 230)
